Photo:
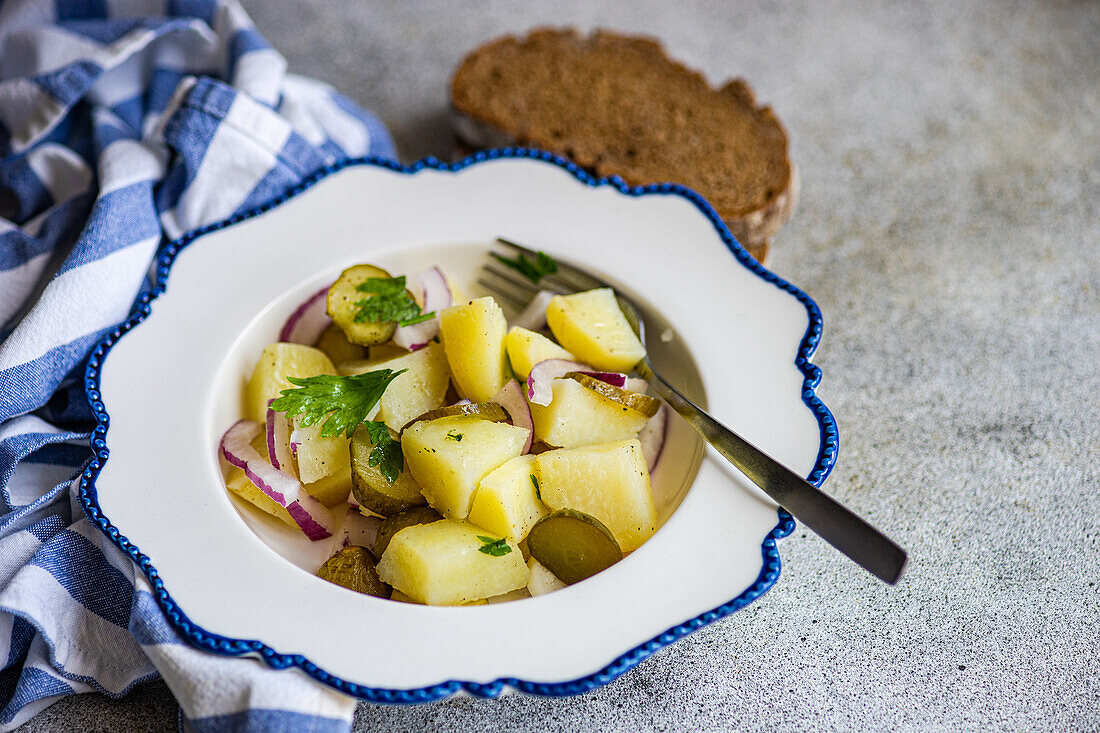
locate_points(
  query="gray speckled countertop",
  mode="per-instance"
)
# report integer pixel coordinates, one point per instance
(949, 229)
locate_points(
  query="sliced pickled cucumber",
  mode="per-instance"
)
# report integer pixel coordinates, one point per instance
(490, 411)
(573, 545)
(371, 487)
(334, 343)
(353, 567)
(392, 525)
(342, 309)
(402, 598)
(644, 404)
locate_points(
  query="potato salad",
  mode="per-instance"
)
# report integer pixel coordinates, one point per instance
(450, 457)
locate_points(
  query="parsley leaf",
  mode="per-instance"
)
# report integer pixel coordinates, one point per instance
(386, 453)
(532, 269)
(496, 548)
(348, 399)
(456, 437)
(388, 301)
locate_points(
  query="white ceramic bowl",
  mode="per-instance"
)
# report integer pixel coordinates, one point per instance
(235, 583)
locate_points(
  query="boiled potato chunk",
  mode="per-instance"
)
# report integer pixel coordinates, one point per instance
(594, 329)
(473, 336)
(422, 387)
(277, 362)
(542, 580)
(320, 457)
(608, 481)
(448, 457)
(442, 564)
(527, 348)
(506, 501)
(390, 526)
(332, 489)
(578, 416)
(516, 595)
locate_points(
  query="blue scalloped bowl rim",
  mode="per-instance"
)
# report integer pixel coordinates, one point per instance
(217, 644)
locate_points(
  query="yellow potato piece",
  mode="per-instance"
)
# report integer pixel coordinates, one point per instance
(608, 481)
(591, 326)
(442, 564)
(269, 377)
(320, 457)
(542, 580)
(332, 489)
(399, 596)
(473, 337)
(421, 388)
(527, 348)
(506, 501)
(578, 416)
(516, 595)
(448, 457)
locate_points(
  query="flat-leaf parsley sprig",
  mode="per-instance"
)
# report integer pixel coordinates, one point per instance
(532, 269)
(347, 401)
(494, 547)
(388, 301)
(386, 453)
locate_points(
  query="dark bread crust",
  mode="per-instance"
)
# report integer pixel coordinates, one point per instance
(618, 105)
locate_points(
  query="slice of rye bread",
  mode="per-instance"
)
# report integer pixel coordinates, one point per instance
(618, 105)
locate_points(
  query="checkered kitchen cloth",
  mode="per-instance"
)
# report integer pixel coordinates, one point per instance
(123, 124)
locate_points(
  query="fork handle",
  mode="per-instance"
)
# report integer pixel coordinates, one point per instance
(837, 525)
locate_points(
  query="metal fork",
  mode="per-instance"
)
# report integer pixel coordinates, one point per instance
(837, 525)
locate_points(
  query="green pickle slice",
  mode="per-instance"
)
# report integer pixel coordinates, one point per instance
(353, 567)
(370, 486)
(573, 545)
(342, 309)
(644, 404)
(392, 525)
(490, 411)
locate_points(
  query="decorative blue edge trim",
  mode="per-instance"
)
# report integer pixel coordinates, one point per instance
(216, 644)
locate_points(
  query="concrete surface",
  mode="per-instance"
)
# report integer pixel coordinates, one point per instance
(950, 231)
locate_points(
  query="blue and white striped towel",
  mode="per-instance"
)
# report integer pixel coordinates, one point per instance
(124, 123)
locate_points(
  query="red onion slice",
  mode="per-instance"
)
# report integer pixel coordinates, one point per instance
(533, 317)
(278, 442)
(540, 380)
(636, 384)
(654, 436)
(358, 530)
(306, 324)
(510, 397)
(613, 378)
(313, 517)
(435, 296)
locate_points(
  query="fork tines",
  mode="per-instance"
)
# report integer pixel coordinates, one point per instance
(505, 286)
(516, 289)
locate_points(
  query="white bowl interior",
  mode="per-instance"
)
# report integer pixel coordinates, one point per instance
(671, 478)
